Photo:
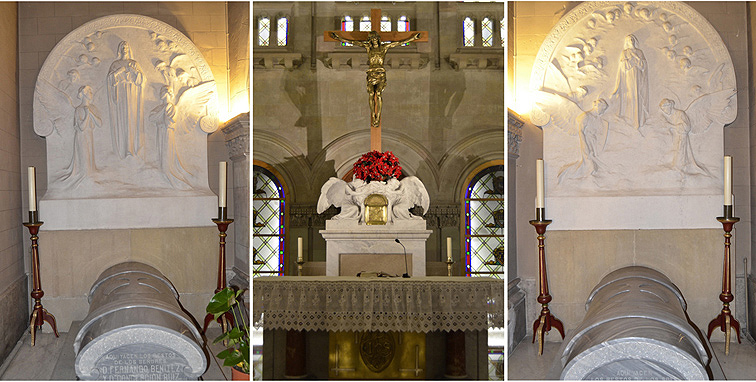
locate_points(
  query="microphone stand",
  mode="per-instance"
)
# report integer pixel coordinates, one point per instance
(406, 269)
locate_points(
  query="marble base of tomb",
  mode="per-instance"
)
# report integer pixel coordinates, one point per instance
(353, 247)
(324, 308)
(126, 213)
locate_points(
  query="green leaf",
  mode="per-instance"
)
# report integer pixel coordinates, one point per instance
(221, 302)
(221, 337)
(226, 353)
(233, 359)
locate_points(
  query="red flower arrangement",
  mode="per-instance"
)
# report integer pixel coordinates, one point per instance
(375, 165)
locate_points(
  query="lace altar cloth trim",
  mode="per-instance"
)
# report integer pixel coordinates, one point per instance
(382, 304)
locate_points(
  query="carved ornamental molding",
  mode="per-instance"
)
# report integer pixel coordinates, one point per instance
(514, 132)
(276, 60)
(358, 60)
(483, 60)
(237, 136)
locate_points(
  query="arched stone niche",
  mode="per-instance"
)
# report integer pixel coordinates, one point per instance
(125, 103)
(633, 98)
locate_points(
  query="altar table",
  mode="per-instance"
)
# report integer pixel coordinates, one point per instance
(450, 311)
(339, 303)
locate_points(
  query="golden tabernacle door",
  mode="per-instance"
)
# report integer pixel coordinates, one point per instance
(376, 355)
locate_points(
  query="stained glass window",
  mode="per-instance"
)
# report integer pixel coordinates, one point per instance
(365, 24)
(468, 29)
(402, 25)
(485, 214)
(283, 31)
(486, 32)
(263, 31)
(503, 40)
(385, 24)
(268, 202)
(347, 24)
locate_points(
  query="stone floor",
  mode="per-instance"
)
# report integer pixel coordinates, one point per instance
(53, 359)
(525, 364)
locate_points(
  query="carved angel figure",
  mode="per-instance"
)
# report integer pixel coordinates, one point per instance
(412, 193)
(125, 81)
(695, 119)
(590, 127)
(340, 194)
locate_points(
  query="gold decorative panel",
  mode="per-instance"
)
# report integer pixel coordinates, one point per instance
(376, 355)
(376, 209)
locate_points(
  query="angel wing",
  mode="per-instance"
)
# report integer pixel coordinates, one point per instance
(333, 192)
(713, 107)
(53, 109)
(415, 191)
(198, 105)
(563, 111)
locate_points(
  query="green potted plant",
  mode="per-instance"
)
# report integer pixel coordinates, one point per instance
(235, 340)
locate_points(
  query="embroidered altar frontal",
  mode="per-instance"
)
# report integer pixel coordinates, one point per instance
(343, 303)
(376, 355)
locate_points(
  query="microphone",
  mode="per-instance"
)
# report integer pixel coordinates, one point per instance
(406, 271)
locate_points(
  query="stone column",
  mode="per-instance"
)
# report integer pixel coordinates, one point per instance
(237, 142)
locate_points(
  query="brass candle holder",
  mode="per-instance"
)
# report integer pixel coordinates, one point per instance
(725, 321)
(39, 315)
(222, 222)
(546, 320)
(449, 263)
(300, 262)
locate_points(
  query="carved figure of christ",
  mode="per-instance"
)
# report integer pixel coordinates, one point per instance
(377, 45)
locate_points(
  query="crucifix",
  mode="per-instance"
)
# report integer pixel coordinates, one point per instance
(377, 44)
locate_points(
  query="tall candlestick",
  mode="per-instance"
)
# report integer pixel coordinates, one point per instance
(32, 189)
(222, 184)
(539, 184)
(299, 249)
(448, 248)
(727, 180)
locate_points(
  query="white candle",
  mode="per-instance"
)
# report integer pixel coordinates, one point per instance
(222, 184)
(448, 249)
(539, 184)
(727, 180)
(299, 249)
(32, 189)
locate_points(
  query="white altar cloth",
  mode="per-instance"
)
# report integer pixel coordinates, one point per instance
(421, 304)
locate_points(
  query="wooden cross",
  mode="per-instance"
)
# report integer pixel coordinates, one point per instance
(375, 26)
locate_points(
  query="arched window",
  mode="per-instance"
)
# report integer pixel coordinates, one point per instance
(268, 223)
(263, 31)
(487, 31)
(347, 25)
(385, 24)
(365, 24)
(503, 31)
(485, 215)
(283, 31)
(468, 30)
(403, 24)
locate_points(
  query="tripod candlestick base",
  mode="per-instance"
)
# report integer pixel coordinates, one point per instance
(227, 319)
(725, 321)
(39, 315)
(545, 320)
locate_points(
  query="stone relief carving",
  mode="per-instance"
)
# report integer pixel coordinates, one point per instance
(147, 101)
(350, 197)
(125, 81)
(599, 77)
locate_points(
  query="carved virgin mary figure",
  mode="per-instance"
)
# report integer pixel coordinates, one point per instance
(632, 84)
(86, 120)
(125, 81)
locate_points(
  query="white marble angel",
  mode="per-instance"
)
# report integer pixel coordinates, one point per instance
(82, 119)
(590, 127)
(412, 193)
(339, 193)
(175, 116)
(700, 114)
